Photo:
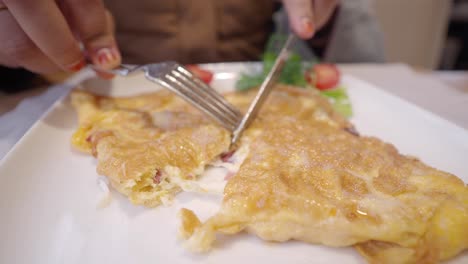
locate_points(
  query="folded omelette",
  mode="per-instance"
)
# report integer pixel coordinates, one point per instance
(307, 175)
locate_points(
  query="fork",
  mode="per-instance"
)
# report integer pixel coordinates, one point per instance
(182, 82)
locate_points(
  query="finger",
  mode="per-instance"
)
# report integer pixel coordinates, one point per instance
(323, 10)
(110, 22)
(110, 28)
(17, 50)
(301, 17)
(45, 25)
(93, 25)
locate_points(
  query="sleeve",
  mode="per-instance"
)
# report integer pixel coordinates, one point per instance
(355, 35)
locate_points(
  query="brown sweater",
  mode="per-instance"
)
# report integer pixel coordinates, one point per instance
(191, 31)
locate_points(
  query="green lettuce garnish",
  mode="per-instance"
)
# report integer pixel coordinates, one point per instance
(340, 100)
(292, 74)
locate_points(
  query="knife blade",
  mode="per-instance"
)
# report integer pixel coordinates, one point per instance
(265, 89)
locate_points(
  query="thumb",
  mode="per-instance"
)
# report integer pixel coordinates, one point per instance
(301, 17)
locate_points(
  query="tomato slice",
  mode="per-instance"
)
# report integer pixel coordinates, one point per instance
(323, 76)
(204, 75)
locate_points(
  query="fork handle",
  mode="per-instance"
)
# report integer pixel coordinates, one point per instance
(122, 69)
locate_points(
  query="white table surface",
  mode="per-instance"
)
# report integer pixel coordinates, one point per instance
(443, 93)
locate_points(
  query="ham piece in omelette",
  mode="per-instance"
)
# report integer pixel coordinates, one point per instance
(307, 175)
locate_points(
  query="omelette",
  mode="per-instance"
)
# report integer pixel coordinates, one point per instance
(307, 175)
(149, 147)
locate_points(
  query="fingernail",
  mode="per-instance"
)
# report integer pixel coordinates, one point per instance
(307, 26)
(107, 58)
(76, 66)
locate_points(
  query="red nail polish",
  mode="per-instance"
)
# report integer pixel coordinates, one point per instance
(106, 58)
(308, 26)
(74, 67)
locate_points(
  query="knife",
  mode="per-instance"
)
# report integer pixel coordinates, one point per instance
(265, 89)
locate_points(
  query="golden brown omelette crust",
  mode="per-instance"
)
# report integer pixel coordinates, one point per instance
(146, 144)
(307, 175)
(313, 181)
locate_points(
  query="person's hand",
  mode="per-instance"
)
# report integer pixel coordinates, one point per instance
(307, 16)
(44, 36)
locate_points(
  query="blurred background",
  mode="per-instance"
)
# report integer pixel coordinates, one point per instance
(424, 34)
(428, 34)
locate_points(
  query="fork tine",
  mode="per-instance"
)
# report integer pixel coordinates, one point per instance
(190, 90)
(196, 100)
(210, 94)
(217, 116)
(205, 88)
(179, 80)
(211, 106)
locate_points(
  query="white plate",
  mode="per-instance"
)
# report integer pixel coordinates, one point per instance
(49, 193)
